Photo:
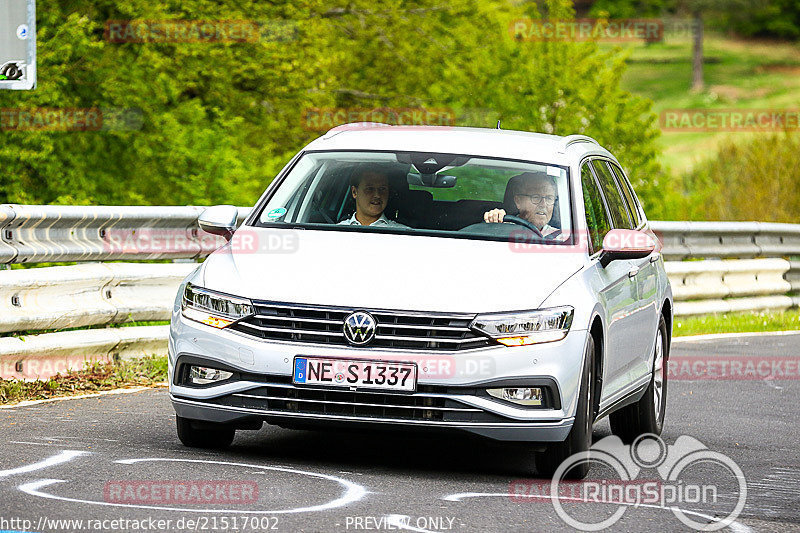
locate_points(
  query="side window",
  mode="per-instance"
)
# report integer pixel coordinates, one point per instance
(596, 218)
(627, 191)
(616, 205)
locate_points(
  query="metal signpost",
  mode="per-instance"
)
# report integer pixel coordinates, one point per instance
(17, 44)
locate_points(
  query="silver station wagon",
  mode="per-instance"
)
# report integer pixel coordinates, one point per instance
(497, 282)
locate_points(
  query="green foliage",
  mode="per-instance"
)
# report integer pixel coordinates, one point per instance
(618, 9)
(764, 18)
(777, 19)
(219, 119)
(755, 180)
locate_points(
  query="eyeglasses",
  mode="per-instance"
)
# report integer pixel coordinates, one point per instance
(535, 199)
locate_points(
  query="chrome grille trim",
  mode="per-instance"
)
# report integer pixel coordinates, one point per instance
(386, 405)
(409, 330)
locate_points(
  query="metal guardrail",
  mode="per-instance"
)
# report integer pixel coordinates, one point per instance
(741, 240)
(49, 233)
(757, 276)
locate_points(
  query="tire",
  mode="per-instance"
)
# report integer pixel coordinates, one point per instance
(647, 415)
(211, 435)
(580, 436)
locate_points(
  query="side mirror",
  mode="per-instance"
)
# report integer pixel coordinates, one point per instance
(626, 244)
(219, 220)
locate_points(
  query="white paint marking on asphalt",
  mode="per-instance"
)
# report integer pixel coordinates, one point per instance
(352, 494)
(401, 521)
(734, 526)
(33, 443)
(63, 457)
(722, 336)
(75, 438)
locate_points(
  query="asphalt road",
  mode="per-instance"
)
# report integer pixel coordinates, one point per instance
(64, 461)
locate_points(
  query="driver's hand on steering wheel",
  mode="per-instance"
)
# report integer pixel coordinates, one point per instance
(495, 215)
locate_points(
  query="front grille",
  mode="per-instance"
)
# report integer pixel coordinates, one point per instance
(291, 400)
(396, 329)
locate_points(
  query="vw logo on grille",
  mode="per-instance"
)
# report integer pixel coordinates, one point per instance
(359, 328)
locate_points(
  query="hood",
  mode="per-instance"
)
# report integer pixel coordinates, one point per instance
(388, 271)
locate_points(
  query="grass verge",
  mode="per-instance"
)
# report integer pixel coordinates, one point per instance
(739, 74)
(737, 323)
(95, 377)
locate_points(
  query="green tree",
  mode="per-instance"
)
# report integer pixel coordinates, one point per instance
(219, 119)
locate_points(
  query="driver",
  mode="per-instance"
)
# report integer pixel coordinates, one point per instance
(370, 189)
(534, 195)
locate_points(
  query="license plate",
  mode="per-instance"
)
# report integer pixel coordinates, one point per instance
(360, 374)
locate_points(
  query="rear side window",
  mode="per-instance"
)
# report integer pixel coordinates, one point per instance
(596, 218)
(616, 205)
(627, 191)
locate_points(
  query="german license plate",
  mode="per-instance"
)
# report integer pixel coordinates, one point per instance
(350, 373)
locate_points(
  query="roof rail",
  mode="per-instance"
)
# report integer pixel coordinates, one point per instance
(354, 126)
(574, 139)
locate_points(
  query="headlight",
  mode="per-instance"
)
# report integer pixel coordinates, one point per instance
(212, 308)
(526, 327)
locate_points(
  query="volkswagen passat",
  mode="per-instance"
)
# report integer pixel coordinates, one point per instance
(496, 282)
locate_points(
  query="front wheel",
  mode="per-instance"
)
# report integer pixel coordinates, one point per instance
(647, 415)
(196, 434)
(580, 436)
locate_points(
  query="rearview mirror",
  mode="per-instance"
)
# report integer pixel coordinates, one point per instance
(219, 220)
(626, 244)
(432, 180)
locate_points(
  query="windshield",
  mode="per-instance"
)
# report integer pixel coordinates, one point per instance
(431, 193)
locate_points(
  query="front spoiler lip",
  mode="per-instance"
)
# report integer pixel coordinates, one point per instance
(554, 424)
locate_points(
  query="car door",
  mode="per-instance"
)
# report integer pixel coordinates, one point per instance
(633, 325)
(647, 278)
(616, 289)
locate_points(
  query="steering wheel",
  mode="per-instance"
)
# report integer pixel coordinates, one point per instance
(522, 222)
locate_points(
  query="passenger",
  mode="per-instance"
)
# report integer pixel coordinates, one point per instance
(370, 189)
(534, 195)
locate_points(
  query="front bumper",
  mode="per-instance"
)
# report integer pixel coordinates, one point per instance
(450, 394)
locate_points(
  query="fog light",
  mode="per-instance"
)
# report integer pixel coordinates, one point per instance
(521, 396)
(202, 375)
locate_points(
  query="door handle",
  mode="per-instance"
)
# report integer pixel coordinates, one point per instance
(632, 272)
(654, 257)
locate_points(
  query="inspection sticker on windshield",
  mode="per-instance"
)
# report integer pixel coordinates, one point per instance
(556, 171)
(356, 374)
(277, 213)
